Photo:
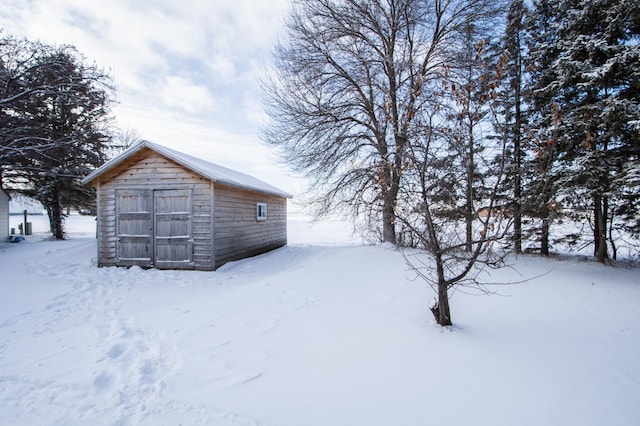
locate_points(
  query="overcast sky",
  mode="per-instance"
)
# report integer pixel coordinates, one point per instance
(186, 71)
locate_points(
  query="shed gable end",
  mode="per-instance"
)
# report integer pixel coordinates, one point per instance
(179, 219)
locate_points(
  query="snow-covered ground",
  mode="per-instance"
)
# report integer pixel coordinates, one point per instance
(325, 331)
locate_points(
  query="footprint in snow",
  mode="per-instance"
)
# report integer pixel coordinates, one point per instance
(103, 382)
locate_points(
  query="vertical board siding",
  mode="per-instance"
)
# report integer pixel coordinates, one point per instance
(134, 227)
(238, 232)
(173, 229)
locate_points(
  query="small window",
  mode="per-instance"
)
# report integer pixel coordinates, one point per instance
(261, 211)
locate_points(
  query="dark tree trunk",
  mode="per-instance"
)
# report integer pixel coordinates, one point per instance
(469, 228)
(469, 213)
(517, 228)
(56, 216)
(517, 181)
(469, 234)
(388, 224)
(390, 199)
(441, 311)
(544, 237)
(612, 243)
(600, 228)
(596, 227)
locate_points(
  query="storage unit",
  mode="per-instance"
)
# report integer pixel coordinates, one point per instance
(157, 207)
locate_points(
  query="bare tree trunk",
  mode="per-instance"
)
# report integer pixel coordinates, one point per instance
(388, 223)
(390, 199)
(441, 310)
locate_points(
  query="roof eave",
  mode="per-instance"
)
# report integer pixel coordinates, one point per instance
(167, 153)
(109, 165)
(250, 188)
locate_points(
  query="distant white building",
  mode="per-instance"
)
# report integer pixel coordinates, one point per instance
(4, 214)
(20, 203)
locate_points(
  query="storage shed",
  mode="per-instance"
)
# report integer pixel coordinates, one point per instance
(157, 207)
(4, 215)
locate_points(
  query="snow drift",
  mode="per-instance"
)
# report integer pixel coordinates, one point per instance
(311, 334)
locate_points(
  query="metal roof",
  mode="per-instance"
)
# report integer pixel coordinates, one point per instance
(211, 171)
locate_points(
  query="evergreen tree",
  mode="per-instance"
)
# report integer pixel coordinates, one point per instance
(469, 82)
(543, 166)
(55, 126)
(513, 64)
(586, 87)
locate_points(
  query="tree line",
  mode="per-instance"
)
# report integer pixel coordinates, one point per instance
(55, 124)
(460, 126)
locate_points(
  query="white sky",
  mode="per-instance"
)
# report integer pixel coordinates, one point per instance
(186, 71)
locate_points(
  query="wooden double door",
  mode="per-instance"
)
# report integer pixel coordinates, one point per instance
(154, 228)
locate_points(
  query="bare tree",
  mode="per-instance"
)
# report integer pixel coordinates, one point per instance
(447, 255)
(384, 104)
(450, 206)
(124, 139)
(351, 81)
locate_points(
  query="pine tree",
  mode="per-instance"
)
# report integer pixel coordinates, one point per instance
(514, 102)
(55, 122)
(543, 166)
(469, 82)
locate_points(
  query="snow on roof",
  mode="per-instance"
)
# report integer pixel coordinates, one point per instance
(209, 170)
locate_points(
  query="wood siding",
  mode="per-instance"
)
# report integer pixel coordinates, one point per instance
(173, 229)
(153, 172)
(134, 227)
(238, 232)
(177, 205)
